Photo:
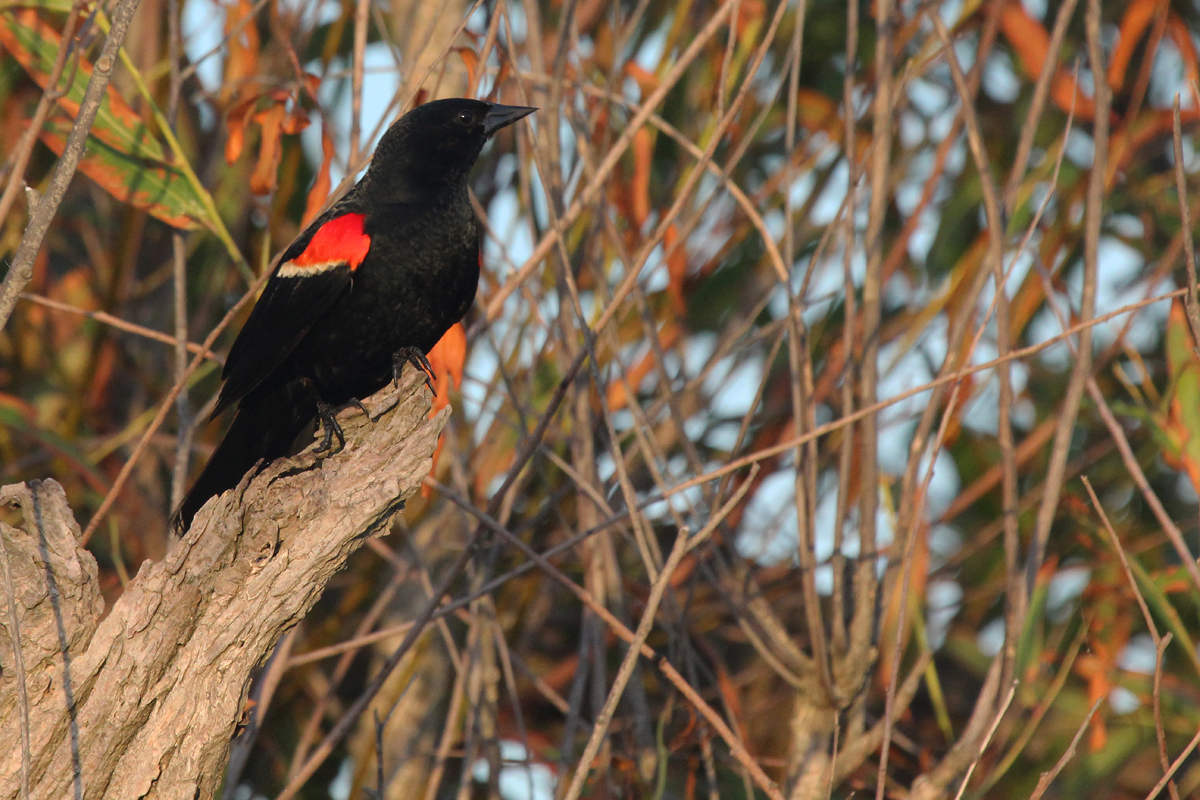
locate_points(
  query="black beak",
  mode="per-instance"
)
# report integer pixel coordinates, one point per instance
(499, 116)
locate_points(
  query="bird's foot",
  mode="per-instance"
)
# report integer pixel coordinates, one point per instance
(329, 424)
(414, 356)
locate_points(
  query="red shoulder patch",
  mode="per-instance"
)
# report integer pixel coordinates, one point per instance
(339, 241)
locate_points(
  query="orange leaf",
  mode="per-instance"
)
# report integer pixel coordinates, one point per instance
(447, 359)
(1138, 16)
(891, 610)
(1064, 90)
(320, 188)
(617, 396)
(235, 122)
(470, 61)
(266, 171)
(639, 185)
(1150, 125)
(676, 268)
(311, 83)
(75, 288)
(501, 75)
(242, 61)
(1032, 45)
(751, 11)
(1182, 38)
(296, 121)
(1091, 669)
(732, 701)
(1026, 35)
(815, 108)
(646, 81)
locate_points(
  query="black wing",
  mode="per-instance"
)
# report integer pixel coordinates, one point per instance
(313, 274)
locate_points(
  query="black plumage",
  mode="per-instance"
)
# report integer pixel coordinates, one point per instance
(374, 281)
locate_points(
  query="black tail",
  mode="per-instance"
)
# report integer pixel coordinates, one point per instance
(265, 427)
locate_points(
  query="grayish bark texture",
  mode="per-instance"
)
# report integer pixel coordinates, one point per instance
(143, 703)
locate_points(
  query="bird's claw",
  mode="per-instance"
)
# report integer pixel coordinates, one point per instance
(329, 424)
(414, 356)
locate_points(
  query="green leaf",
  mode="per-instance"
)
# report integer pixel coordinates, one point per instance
(162, 190)
(56, 6)
(1158, 601)
(1185, 400)
(122, 155)
(34, 44)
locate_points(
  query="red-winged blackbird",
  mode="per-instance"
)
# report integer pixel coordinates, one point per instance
(373, 282)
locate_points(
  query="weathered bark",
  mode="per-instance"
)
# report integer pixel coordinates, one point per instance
(144, 703)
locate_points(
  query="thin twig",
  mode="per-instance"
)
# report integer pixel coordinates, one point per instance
(1191, 303)
(1041, 709)
(627, 664)
(361, 7)
(261, 696)
(24, 146)
(20, 272)
(1175, 765)
(452, 720)
(737, 748)
(1160, 642)
(1048, 777)
(120, 324)
(1160, 648)
(605, 168)
(1081, 372)
(1120, 551)
(1037, 104)
(1125, 450)
(866, 584)
(334, 680)
(164, 408)
(183, 436)
(213, 216)
(1015, 604)
(356, 643)
(987, 739)
(846, 458)
(943, 380)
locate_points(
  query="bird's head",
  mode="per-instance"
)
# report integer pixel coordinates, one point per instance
(433, 147)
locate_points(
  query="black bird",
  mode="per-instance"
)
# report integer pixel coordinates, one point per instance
(372, 283)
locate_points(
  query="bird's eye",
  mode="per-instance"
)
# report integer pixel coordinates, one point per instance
(466, 117)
